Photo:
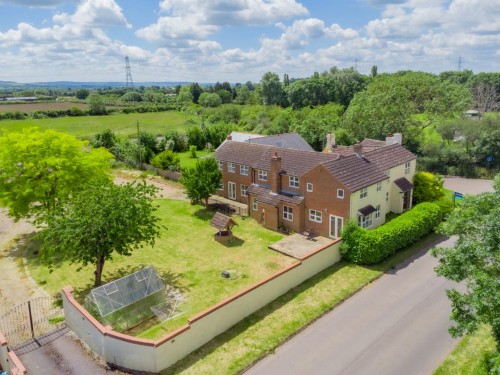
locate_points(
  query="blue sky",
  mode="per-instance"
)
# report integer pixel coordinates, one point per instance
(240, 40)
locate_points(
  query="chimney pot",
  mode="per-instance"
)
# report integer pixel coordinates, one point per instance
(358, 149)
(229, 137)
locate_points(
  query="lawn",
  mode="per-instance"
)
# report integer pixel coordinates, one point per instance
(122, 124)
(188, 162)
(261, 332)
(186, 256)
(471, 355)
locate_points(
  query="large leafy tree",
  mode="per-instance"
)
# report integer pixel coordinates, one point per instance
(201, 181)
(99, 221)
(271, 89)
(474, 261)
(40, 170)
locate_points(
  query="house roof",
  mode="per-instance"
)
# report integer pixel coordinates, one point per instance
(371, 144)
(366, 210)
(287, 140)
(293, 162)
(221, 221)
(403, 184)
(265, 195)
(355, 172)
(389, 156)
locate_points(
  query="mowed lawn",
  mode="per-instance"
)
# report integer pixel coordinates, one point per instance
(121, 124)
(186, 256)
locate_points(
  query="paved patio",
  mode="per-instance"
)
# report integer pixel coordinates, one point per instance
(299, 246)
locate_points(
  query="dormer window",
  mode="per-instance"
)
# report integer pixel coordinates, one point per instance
(293, 181)
(262, 175)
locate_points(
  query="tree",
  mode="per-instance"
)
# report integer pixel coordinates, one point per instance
(271, 89)
(201, 181)
(210, 100)
(82, 94)
(41, 169)
(427, 187)
(196, 90)
(96, 104)
(131, 96)
(474, 261)
(99, 221)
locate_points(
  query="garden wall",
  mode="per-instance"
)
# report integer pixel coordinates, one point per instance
(9, 361)
(156, 355)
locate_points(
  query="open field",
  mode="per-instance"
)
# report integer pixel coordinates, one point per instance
(186, 256)
(471, 355)
(31, 107)
(188, 162)
(121, 124)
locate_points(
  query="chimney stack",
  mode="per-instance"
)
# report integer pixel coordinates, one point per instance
(358, 150)
(275, 176)
(229, 137)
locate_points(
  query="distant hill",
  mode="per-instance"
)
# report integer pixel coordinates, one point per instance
(88, 85)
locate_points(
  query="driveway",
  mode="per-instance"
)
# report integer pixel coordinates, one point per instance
(397, 325)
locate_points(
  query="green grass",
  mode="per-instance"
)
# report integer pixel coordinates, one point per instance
(261, 332)
(470, 357)
(188, 162)
(121, 124)
(186, 256)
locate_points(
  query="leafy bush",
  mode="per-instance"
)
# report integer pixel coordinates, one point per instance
(166, 160)
(192, 150)
(365, 246)
(428, 187)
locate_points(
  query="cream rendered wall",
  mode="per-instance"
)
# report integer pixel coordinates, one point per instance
(396, 197)
(374, 198)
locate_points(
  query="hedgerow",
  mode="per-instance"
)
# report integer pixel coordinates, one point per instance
(370, 246)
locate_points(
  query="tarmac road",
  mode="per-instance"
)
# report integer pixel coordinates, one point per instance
(397, 325)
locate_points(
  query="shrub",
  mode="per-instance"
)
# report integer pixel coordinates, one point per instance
(428, 187)
(166, 160)
(370, 246)
(192, 150)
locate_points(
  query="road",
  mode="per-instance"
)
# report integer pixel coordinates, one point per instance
(397, 325)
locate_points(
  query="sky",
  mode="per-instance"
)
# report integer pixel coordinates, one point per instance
(240, 40)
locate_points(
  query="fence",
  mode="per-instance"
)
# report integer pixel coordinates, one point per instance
(155, 355)
(169, 175)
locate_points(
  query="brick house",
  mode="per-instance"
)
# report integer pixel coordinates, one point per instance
(318, 191)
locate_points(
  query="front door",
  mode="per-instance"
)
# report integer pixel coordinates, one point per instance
(406, 200)
(336, 226)
(231, 187)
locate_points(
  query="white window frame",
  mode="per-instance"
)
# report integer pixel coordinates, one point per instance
(340, 193)
(379, 186)
(231, 167)
(244, 190)
(309, 187)
(336, 226)
(221, 165)
(407, 167)
(231, 192)
(221, 185)
(244, 170)
(377, 212)
(293, 181)
(316, 216)
(363, 193)
(365, 221)
(254, 204)
(262, 175)
(288, 213)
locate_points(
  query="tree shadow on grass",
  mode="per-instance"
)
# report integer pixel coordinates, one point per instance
(204, 214)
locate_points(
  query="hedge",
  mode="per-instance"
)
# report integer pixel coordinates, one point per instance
(370, 246)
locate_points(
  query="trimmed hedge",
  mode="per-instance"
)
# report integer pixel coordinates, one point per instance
(370, 246)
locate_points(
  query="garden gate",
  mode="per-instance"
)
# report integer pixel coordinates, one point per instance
(30, 321)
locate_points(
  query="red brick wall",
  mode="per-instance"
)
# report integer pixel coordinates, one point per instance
(238, 179)
(323, 198)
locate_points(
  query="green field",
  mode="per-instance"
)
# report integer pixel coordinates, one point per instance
(121, 124)
(186, 256)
